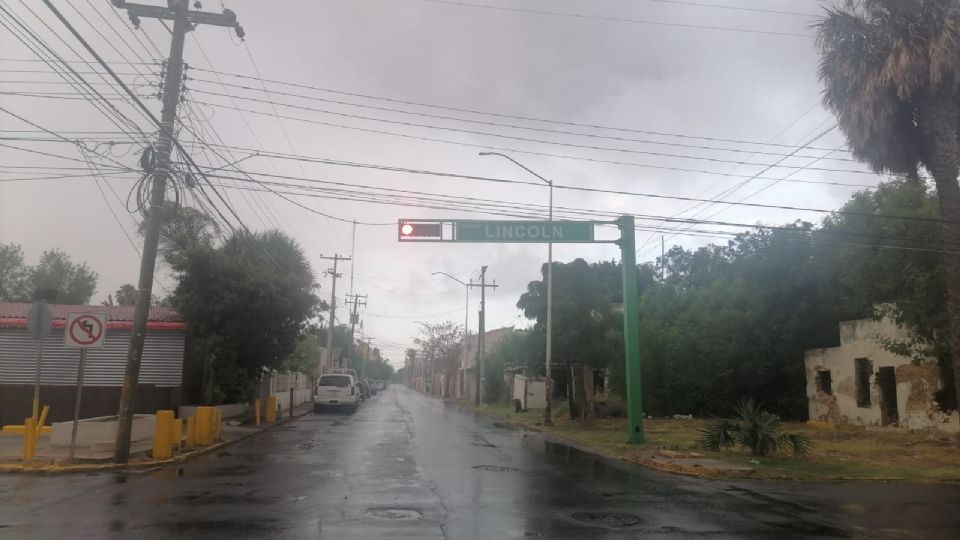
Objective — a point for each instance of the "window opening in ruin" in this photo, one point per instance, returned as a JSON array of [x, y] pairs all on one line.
[[864, 369], [825, 382]]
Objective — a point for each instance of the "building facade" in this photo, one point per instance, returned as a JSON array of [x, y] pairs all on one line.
[[862, 383], [161, 371], [465, 383]]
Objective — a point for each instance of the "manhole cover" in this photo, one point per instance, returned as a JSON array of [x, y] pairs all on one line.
[[393, 513], [494, 468], [608, 519]]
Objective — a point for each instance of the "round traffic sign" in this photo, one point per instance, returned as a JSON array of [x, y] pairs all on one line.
[[85, 330]]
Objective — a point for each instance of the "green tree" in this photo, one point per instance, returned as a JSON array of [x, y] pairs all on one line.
[[583, 316], [440, 345], [74, 283], [126, 295], [516, 349], [14, 274], [378, 367], [182, 230], [905, 284], [306, 355], [246, 303], [891, 75]]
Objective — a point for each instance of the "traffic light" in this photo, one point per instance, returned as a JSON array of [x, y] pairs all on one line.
[[410, 230]]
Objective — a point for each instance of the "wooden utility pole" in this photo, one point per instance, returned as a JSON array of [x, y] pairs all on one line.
[[333, 304], [184, 20], [481, 338], [356, 300]]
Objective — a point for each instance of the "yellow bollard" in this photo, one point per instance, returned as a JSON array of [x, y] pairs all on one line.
[[177, 434], [215, 428], [202, 423], [272, 409], [162, 434], [29, 438], [191, 432], [256, 412]]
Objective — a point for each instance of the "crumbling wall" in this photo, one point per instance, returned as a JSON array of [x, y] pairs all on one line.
[[916, 384]]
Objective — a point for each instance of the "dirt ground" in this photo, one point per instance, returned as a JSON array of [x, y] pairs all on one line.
[[839, 453]]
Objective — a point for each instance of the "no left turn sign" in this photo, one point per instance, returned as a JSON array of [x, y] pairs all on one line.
[[85, 330]]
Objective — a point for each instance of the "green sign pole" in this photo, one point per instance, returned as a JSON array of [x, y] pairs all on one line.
[[631, 329], [556, 232]]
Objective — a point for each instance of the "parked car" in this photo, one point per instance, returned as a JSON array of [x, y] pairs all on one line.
[[372, 387], [364, 390], [336, 390], [381, 385]]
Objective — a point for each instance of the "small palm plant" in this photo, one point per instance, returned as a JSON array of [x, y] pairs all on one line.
[[753, 428]]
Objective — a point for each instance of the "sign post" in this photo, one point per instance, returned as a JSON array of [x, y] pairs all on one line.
[[39, 323], [557, 232], [83, 331]]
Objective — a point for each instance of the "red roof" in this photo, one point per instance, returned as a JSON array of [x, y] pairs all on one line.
[[118, 317]]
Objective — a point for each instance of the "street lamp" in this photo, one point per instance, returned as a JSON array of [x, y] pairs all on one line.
[[466, 313], [547, 420]]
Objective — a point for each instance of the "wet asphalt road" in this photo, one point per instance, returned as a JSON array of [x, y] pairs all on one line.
[[409, 466]]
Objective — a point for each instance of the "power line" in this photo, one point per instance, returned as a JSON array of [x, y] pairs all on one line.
[[618, 19], [457, 109], [479, 122], [569, 187], [732, 169], [683, 232], [523, 139], [736, 8], [48, 56], [464, 203], [535, 153], [733, 189], [156, 122]]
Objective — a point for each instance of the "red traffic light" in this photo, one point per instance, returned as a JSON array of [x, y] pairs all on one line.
[[420, 231]]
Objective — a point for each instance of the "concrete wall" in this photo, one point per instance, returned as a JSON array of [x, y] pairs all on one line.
[[230, 410], [102, 431], [916, 384]]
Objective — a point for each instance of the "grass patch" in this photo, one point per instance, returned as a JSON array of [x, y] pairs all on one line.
[[844, 452]]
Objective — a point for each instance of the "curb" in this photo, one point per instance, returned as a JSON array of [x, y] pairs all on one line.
[[54, 468], [648, 462]]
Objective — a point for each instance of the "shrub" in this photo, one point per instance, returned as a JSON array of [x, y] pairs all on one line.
[[753, 428]]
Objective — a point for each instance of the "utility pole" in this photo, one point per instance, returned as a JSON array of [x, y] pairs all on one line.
[[333, 303], [481, 339], [357, 300], [184, 20], [368, 356], [353, 264], [663, 258]]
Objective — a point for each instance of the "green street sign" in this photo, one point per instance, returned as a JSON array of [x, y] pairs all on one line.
[[541, 232]]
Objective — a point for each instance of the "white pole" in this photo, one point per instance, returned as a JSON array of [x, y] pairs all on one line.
[[547, 420]]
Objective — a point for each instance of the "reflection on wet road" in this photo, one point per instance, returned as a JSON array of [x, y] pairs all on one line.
[[409, 466]]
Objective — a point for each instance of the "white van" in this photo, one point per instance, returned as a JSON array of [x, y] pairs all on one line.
[[336, 390]]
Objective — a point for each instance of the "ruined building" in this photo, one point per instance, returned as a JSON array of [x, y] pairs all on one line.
[[862, 383]]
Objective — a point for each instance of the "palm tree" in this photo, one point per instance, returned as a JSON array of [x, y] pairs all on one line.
[[891, 75]]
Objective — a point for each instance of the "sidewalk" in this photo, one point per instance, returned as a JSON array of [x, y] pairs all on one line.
[[53, 459]]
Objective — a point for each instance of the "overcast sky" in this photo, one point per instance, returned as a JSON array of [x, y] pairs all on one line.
[[749, 77]]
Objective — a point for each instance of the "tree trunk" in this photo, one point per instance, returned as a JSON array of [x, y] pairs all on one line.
[[939, 116]]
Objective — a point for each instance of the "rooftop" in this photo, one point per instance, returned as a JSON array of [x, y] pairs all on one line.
[[12, 310]]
